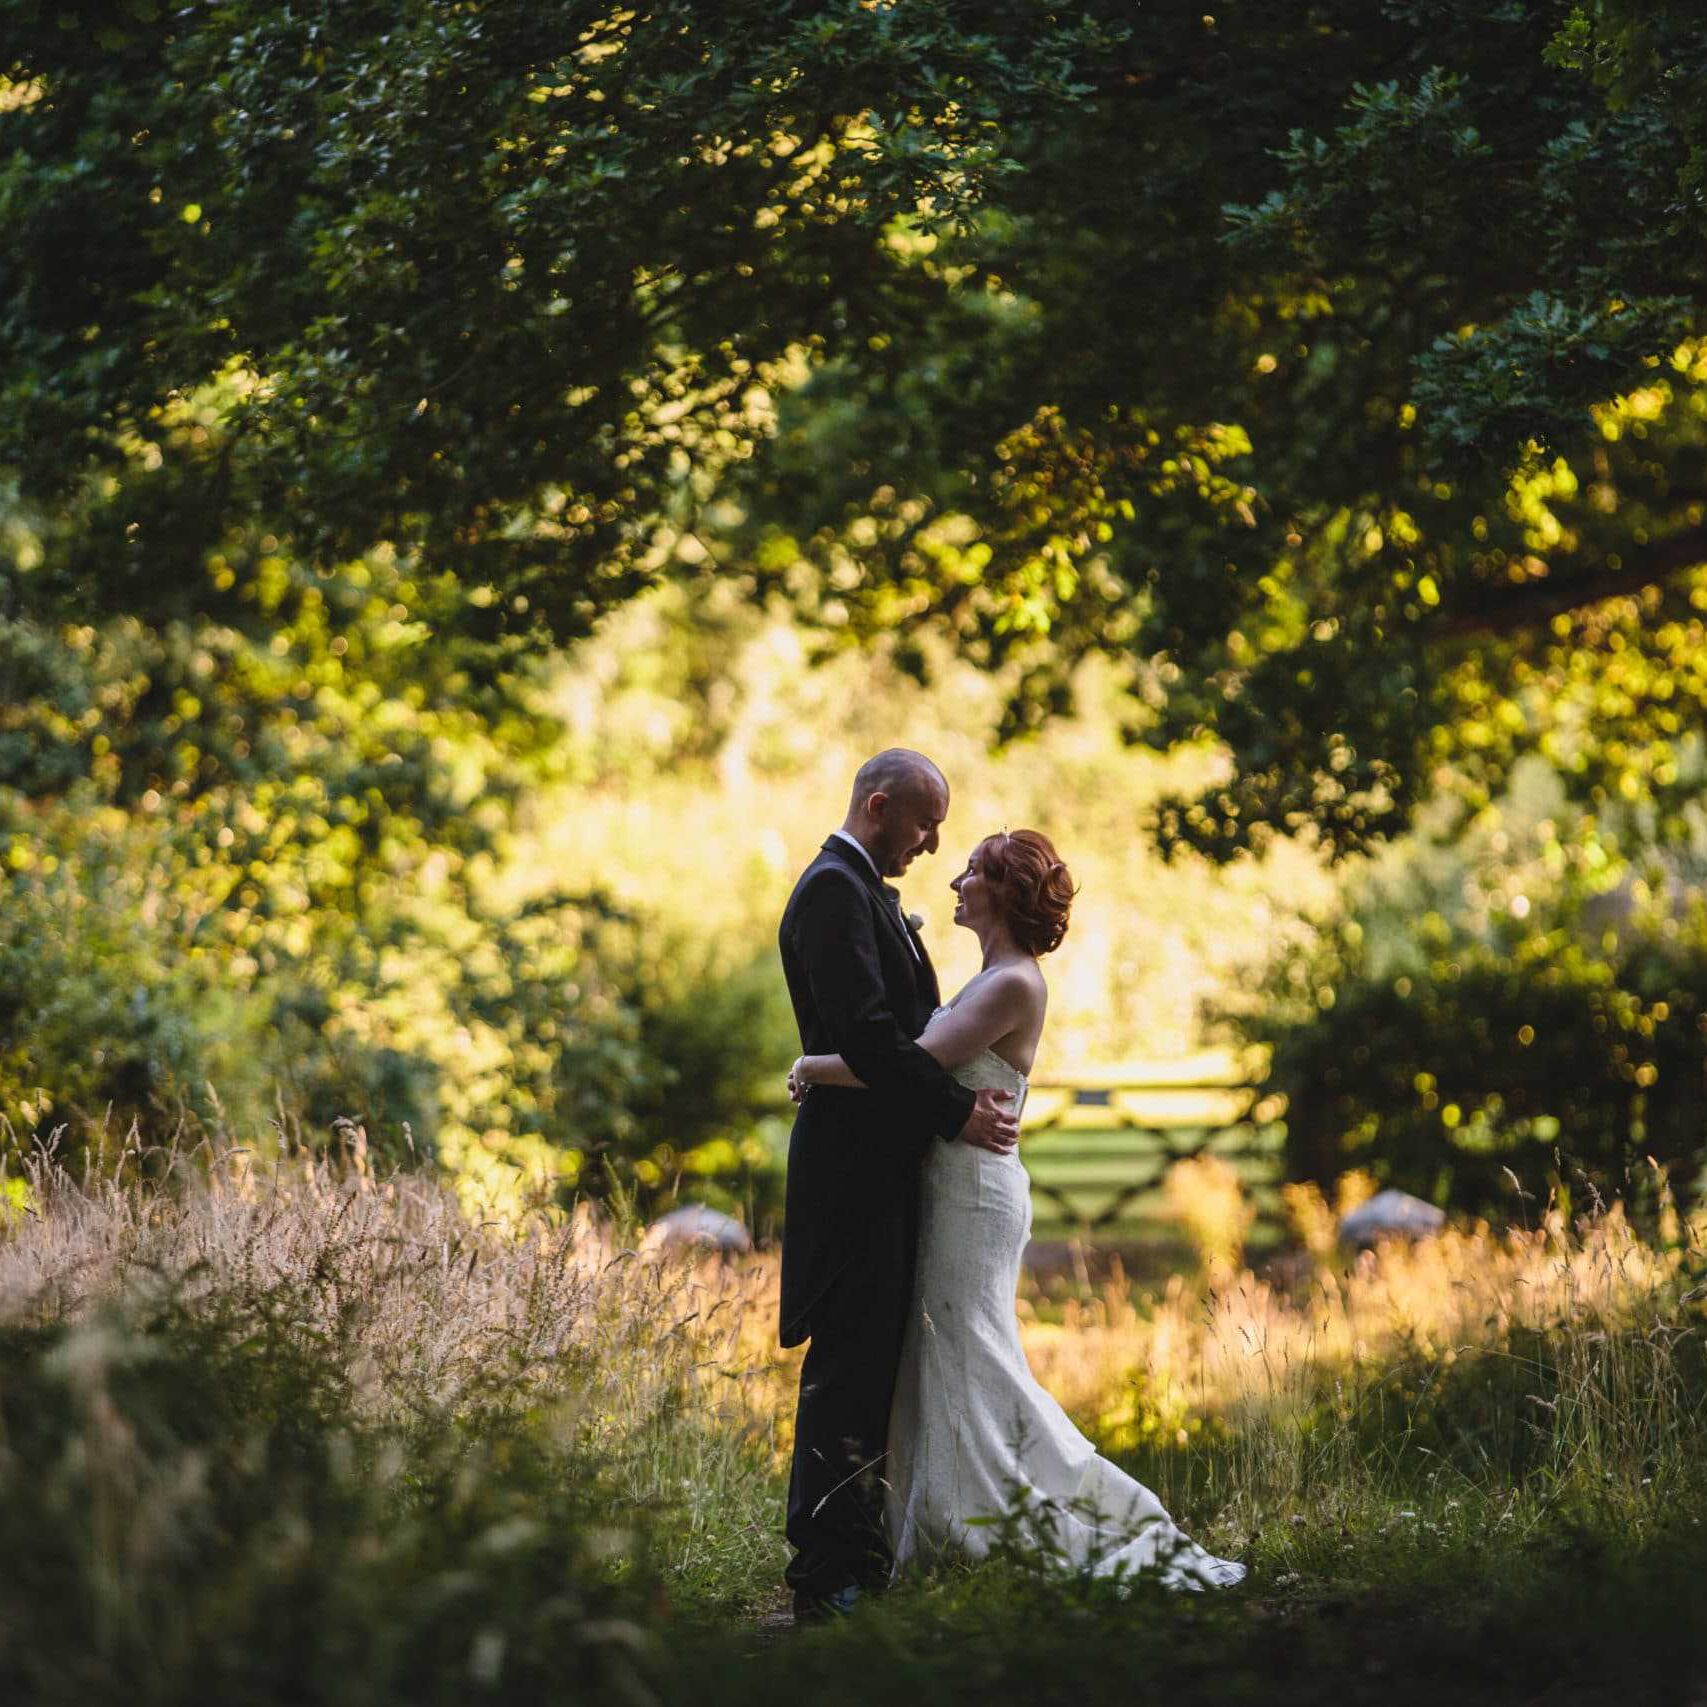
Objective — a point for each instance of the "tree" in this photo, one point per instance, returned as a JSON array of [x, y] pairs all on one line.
[[352, 357], [492, 280], [1337, 367], [1327, 363]]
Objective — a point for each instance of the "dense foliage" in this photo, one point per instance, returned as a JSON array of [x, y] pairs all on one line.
[[247, 880], [1335, 369], [1271, 350], [492, 281], [1337, 373], [266, 901], [1493, 1072], [350, 358]]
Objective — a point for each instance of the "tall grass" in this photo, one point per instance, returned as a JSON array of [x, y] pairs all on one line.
[[284, 1429], [290, 1431], [1494, 1375]]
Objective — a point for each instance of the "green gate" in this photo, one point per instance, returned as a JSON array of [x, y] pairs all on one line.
[[1097, 1143]]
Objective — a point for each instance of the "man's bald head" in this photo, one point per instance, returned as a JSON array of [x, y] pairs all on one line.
[[899, 801], [895, 771]]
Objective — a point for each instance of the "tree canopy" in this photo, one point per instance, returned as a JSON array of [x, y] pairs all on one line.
[[1338, 367], [1339, 371], [490, 280], [1333, 364]]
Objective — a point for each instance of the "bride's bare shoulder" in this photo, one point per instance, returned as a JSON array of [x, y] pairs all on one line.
[[1021, 984]]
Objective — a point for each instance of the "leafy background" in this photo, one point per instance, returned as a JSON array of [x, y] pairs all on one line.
[[473, 482]]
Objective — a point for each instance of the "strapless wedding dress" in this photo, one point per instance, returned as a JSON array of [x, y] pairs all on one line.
[[971, 1434]]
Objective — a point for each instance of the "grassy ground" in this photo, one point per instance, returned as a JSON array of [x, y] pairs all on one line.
[[269, 1435], [1606, 1626]]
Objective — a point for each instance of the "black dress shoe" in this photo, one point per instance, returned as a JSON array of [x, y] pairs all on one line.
[[821, 1608]]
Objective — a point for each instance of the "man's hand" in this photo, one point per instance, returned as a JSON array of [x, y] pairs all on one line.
[[990, 1126]]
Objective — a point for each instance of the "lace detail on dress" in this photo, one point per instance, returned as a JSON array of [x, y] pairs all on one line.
[[987, 1071], [972, 1434]]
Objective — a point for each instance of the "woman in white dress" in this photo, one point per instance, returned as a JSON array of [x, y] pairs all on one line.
[[972, 1436]]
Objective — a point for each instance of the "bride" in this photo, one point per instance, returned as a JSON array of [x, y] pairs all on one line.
[[972, 1436]]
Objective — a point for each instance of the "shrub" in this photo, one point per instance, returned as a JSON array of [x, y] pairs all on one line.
[[552, 1051], [1538, 1060], [193, 1507]]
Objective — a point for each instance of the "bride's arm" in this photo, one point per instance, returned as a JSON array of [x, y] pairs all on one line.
[[1003, 1003], [822, 1070], [981, 1018]]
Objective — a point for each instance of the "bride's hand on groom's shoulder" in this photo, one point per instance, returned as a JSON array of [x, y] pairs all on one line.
[[993, 1125]]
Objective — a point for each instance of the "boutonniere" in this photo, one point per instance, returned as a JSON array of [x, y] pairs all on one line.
[[916, 920]]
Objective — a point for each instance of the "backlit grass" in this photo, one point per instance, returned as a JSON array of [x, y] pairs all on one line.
[[277, 1432]]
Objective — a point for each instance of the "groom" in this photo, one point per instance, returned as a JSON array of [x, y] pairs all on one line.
[[862, 988]]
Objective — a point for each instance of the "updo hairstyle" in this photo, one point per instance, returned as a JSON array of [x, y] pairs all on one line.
[[1030, 885]]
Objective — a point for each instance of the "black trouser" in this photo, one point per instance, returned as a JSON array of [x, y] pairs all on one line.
[[841, 1431]]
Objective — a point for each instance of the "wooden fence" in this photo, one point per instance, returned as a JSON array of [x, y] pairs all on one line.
[[1096, 1143]]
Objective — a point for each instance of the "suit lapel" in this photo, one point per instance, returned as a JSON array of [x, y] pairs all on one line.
[[890, 909], [837, 849], [927, 972]]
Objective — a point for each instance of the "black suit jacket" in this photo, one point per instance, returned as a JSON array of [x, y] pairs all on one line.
[[859, 991]]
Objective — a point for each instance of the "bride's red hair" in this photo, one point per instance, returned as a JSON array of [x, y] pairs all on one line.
[[1032, 887]]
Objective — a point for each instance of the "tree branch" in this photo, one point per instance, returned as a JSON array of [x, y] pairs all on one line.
[[1504, 608]]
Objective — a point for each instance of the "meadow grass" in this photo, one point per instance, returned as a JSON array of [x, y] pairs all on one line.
[[284, 1430]]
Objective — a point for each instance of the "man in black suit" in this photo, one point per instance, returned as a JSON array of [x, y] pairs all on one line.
[[862, 988]]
